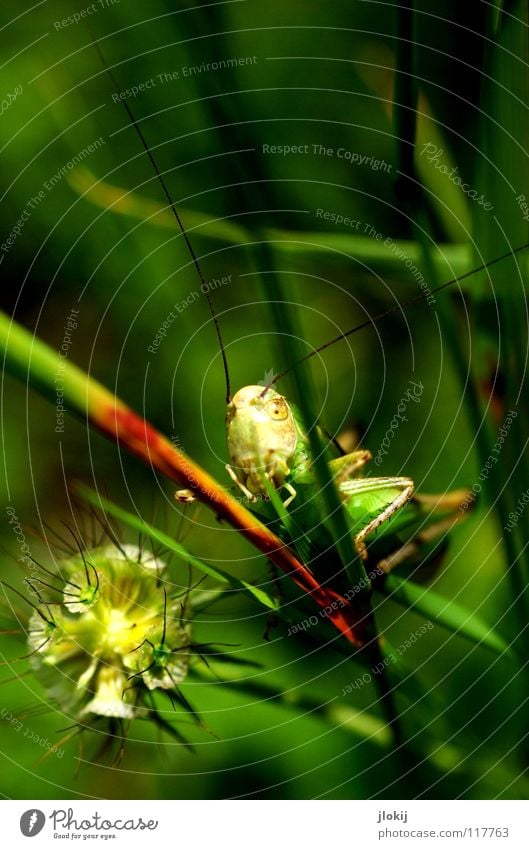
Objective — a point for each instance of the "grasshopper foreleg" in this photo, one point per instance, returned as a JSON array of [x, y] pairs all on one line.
[[249, 495], [348, 465]]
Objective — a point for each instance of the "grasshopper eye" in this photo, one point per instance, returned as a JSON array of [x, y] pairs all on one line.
[[277, 409]]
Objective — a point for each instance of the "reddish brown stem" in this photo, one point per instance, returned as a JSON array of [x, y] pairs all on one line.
[[139, 437]]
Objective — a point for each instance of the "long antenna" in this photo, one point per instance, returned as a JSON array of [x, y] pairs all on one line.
[[204, 287], [371, 321]]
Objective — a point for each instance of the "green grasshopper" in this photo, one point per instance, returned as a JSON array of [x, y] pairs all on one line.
[[268, 446]]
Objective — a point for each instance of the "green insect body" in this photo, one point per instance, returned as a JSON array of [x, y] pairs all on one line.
[[265, 442], [267, 445]]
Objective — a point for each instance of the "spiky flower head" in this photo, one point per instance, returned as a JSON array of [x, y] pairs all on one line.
[[119, 632]]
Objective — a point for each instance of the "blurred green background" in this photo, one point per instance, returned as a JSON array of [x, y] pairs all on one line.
[[313, 74]]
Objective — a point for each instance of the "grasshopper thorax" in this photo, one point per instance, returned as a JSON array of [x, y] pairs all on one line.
[[262, 437]]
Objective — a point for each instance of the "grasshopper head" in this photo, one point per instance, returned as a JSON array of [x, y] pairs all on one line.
[[262, 437]]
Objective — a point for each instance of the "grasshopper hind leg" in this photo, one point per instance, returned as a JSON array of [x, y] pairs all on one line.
[[401, 499], [459, 502], [288, 486], [414, 546]]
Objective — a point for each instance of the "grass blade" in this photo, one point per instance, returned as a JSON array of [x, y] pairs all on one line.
[[447, 613], [170, 544]]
